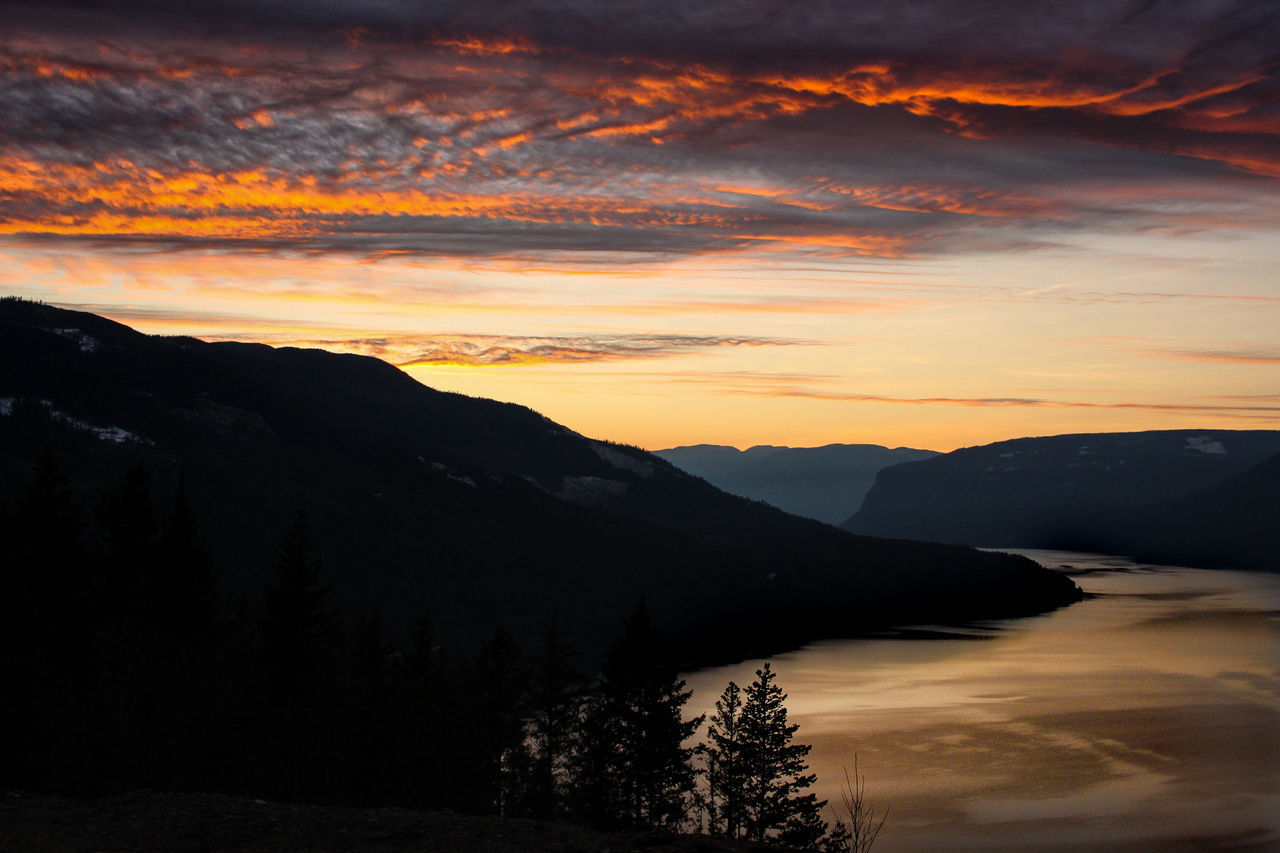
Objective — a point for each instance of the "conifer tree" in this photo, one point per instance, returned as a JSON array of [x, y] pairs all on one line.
[[130, 685], [553, 708], [183, 588], [726, 779], [299, 627], [632, 768], [297, 670], [369, 745], [129, 536], [422, 721], [422, 662], [185, 639], [774, 771], [499, 684], [52, 570], [368, 661], [50, 614]]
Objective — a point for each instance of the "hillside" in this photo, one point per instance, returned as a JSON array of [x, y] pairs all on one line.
[[1232, 523], [1180, 493], [481, 512], [824, 483]]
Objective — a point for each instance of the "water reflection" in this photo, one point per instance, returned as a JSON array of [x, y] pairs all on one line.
[[1146, 717]]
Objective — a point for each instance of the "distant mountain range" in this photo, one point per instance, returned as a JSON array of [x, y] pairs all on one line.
[[825, 483], [481, 512], [1201, 497]]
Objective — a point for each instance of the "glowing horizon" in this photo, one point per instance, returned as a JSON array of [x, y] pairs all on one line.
[[901, 227]]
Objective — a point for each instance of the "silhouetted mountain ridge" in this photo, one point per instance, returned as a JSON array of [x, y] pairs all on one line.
[[822, 483], [481, 511], [1170, 492]]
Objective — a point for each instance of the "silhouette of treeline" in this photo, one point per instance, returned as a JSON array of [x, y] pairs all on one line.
[[123, 668]]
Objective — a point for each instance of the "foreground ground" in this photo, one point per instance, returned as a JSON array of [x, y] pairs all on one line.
[[202, 823]]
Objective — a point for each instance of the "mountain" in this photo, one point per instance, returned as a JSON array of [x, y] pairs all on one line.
[[482, 512], [824, 483], [1136, 492], [1232, 523]]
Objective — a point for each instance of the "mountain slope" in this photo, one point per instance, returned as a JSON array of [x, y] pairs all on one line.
[[482, 512], [1232, 523], [824, 483], [1069, 491]]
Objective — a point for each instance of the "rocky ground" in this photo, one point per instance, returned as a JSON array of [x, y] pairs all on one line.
[[202, 823]]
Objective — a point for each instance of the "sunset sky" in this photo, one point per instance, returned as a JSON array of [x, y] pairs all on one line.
[[732, 221]]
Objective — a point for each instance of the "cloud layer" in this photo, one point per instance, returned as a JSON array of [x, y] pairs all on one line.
[[507, 350], [802, 222], [635, 130]]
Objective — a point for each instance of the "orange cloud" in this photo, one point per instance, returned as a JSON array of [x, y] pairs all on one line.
[[509, 351], [975, 201], [487, 45], [1250, 411], [441, 138]]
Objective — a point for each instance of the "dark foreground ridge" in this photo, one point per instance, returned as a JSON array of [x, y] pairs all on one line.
[[483, 513], [148, 821]]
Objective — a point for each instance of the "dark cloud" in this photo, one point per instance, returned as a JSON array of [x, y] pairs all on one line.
[[635, 129], [800, 32]]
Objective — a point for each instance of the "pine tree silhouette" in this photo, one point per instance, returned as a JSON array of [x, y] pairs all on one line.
[[553, 708], [499, 682], [129, 536], [296, 679], [423, 721], [183, 588], [632, 768], [368, 740], [726, 774], [774, 771], [299, 626], [53, 612], [130, 686], [185, 638], [52, 569]]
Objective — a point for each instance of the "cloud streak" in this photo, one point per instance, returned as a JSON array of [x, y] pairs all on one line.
[[1256, 355], [1256, 410], [510, 351]]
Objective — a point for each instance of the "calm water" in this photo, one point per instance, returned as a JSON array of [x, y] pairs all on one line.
[[1146, 717]]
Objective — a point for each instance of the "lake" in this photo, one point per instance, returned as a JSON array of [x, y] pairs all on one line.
[[1146, 717]]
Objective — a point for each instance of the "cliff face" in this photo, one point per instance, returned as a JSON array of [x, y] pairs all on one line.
[[1131, 492]]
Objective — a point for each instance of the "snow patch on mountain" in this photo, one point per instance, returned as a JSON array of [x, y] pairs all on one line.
[[87, 343], [624, 461], [590, 491], [1205, 444], [113, 434]]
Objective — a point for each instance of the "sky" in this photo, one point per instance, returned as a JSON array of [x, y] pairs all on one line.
[[919, 223]]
